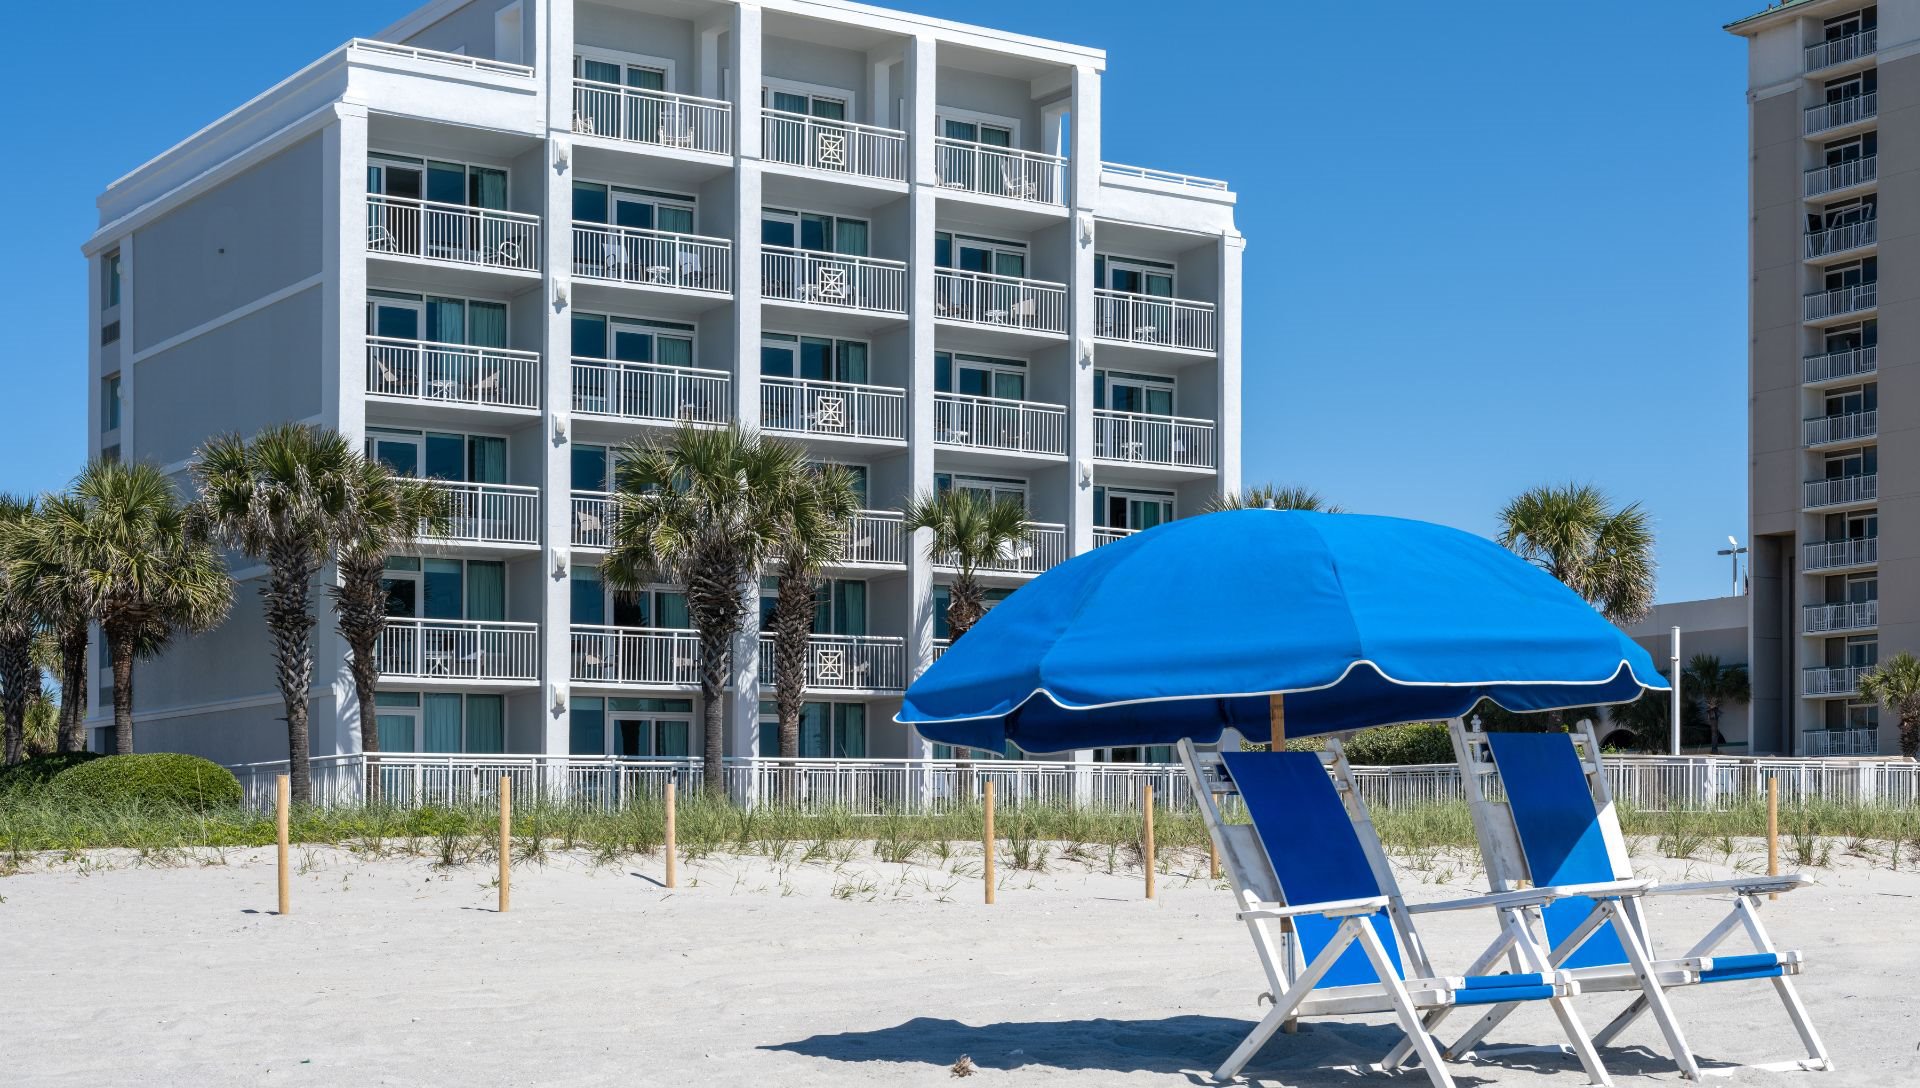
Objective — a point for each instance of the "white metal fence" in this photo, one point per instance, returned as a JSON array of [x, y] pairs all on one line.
[[452, 373], [1842, 175], [833, 409], [876, 537], [1150, 319], [491, 513], [847, 662], [1843, 489], [1044, 547], [460, 650], [609, 387], [1846, 427], [1155, 440], [1846, 236], [1832, 679], [993, 423], [643, 116], [1841, 50], [839, 146], [1840, 364], [833, 279], [454, 233], [652, 258], [1842, 300], [593, 519], [435, 56], [986, 299], [1827, 554], [1000, 171], [1171, 177], [645, 656], [1846, 111], [1103, 534], [1820, 619]]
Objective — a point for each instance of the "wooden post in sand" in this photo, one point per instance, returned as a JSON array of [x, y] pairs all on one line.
[[987, 842], [1213, 859], [673, 868], [282, 794], [506, 840], [1773, 830], [1146, 852]]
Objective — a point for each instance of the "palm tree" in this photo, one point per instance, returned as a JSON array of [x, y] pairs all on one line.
[[819, 508], [1273, 497], [144, 568], [390, 513], [41, 555], [289, 498], [1714, 685], [968, 532], [703, 509], [19, 675], [1895, 684], [1573, 533]]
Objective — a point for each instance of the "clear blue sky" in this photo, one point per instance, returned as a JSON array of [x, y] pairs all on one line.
[[1458, 220]]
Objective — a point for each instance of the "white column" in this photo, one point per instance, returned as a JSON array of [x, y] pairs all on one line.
[[1083, 170], [1227, 372], [343, 384], [743, 713], [556, 392], [921, 63]]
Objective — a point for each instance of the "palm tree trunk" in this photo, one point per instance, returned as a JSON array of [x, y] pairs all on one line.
[[120, 653], [289, 615], [966, 605], [1910, 735], [369, 726], [19, 681], [792, 629], [73, 688], [715, 647]]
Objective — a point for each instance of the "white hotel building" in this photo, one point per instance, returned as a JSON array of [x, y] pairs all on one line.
[[507, 236]]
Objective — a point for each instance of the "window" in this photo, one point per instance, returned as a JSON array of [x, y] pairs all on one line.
[[971, 254], [445, 589], [859, 474], [827, 730], [1850, 149], [1134, 276], [642, 209], [1853, 337], [839, 605], [977, 131], [826, 106], [632, 340], [979, 376], [411, 721], [988, 488], [1854, 525], [1851, 401], [620, 71], [1145, 394], [395, 315], [1861, 462], [1853, 86], [1125, 508], [1846, 26], [110, 280], [1152, 753], [815, 232], [437, 181], [597, 604], [1860, 715], [1858, 651], [110, 404], [630, 728], [943, 599], [814, 358], [1852, 274], [1845, 213], [463, 458]]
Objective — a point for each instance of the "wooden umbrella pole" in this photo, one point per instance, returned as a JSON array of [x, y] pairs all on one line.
[[281, 803]]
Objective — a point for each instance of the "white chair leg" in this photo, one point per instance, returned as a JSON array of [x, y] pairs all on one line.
[[1650, 988], [1582, 1045], [1285, 1003], [1403, 1008]]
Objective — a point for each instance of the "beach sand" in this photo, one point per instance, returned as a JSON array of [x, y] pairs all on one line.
[[119, 970]]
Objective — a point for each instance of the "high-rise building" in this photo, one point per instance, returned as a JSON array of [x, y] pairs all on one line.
[[1828, 286], [506, 237]]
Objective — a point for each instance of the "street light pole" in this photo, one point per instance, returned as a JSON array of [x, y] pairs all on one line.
[[1673, 673], [1734, 549]]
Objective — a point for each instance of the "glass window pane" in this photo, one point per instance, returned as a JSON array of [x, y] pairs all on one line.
[[442, 723], [850, 237], [486, 724], [589, 202], [671, 740], [590, 336], [396, 732], [853, 362], [599, 71], [446, 321], [486, 590], [487, 324], [789, 102], [672, 611], [652, 79], [487, 460], [674, 350], [586, 727], [776, 360], [589, 468], [815, 232], [589, 598], [672, 219], [446, 456], [487, 188], [446, 183], [445, 593]]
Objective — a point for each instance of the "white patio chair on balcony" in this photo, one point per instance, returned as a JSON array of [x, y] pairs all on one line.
[[1015, 183], [389, 381], [583, 124], [507, 253], [676, 129], [586, 523], [614, 261], [380, 239], [689, 271], [486, 389]]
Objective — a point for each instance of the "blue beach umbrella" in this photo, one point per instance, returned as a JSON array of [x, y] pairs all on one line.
[[1357, 621]]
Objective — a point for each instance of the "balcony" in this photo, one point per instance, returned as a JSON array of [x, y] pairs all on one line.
[[634, 656], [833, 409], [421, 371], [876, 538], [1839, 680], [1823, 619], [1103, 534], [1839, 301], [980, 298], [1005, 172], [991, 423], [651, 391], [478, 650], [846, 663], [1831, 115], [833, 280], [1834, 554], [1843, 238], [1826, 430], [652, 258], [592, 519], [1840, 742], [493, 514], [1841, 50], [1835, 365], [452, 233], [1044, 548], [1168, 177], [940, 648], [838, 147], [641, 116], [1141, 439], [1842, 175], [1147, 319], [1843, 490]]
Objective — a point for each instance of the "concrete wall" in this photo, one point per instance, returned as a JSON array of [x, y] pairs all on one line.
[[1717, 626], [469, 29]]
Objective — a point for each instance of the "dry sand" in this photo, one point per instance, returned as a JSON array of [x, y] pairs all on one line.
[[120, 971]]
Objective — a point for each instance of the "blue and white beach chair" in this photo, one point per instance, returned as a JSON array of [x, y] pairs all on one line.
[[1310, 875], [1554, 823]]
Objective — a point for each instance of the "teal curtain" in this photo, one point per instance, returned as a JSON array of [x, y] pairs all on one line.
[[589, 597], [850, 237], [670, 739], [673, 351], [769, 737], [587, 727], [853, 362], [396, 732], [850, 607], [486, 460], [447, 321], [849, 731], [815, 720], [673, 612], [674, 220], [442, 723], [487, 188], [486, 724], [486, 590], [487, 325]]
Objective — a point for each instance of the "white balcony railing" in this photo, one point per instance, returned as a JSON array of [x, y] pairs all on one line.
[[453, 233], [1841, 364], [1044, 548], [846, 663], [991, 423], [652, 258], [1103, 534], [1153, 440], [876, 537], [1820, 619], [420, 370], [833, 279], [1842, 490], [1847, 111], [1841, 239], [491, 513], [1000, 171], [1840, 742], [986, 299], [435, 56], [838, 146], [1169, 176], [592, 518], [652, 117], [1148, 319], [1842, 300], [651, 656], [940, 647], [1841, 50], [460, 650], [1842, 175], [1829, 554], [833, 409], [1840, 680], [672, 394], [1841, 428]]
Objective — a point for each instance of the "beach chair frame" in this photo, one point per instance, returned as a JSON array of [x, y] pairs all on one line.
[[1505, 858]]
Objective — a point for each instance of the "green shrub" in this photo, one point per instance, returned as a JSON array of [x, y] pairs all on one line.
[[151, 778], [1390, 745], [33, 774]]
